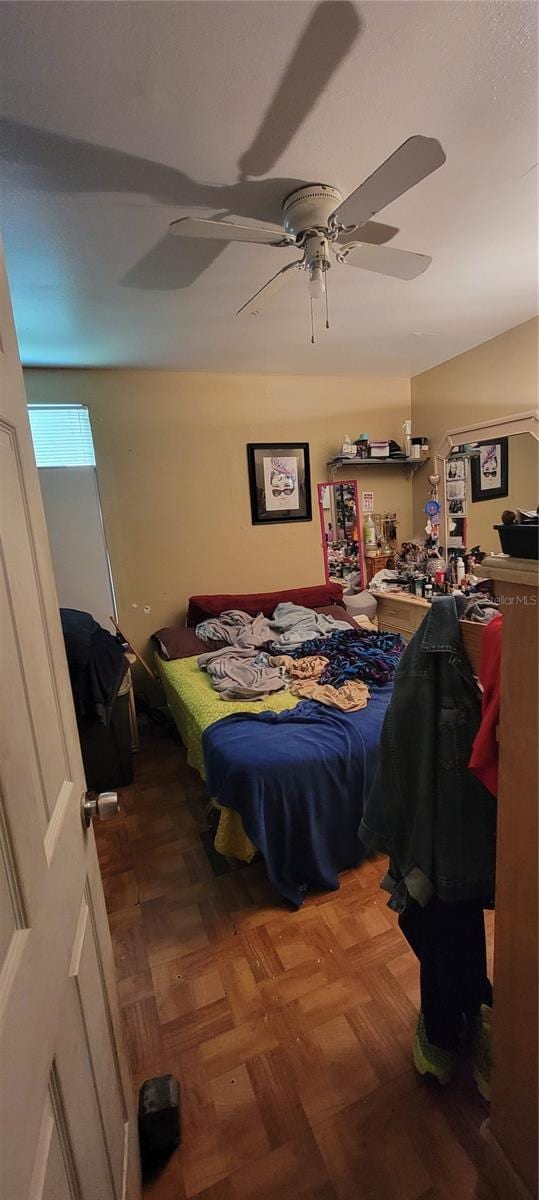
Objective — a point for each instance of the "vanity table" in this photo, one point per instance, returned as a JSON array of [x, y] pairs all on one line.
[[400, 612], [374, 563]]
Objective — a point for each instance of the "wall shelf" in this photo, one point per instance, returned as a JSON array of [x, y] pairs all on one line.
[[341, 460]]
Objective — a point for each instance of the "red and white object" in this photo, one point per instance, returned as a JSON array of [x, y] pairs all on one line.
[[379, 449]]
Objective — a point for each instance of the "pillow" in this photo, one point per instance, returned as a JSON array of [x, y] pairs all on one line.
[[201, 607], [329, 610], [175, 641]]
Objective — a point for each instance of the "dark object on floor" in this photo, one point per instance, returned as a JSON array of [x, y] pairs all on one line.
[[159, 1117], [449, 941], [156, 716], [519, 541]]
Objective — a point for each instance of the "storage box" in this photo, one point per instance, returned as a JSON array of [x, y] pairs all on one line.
[[379, 449], [520, 541]]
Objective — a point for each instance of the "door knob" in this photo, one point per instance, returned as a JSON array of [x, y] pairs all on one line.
[[104, 805]]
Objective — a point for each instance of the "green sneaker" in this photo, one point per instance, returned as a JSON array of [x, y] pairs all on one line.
[[482, 1050], [430, 1059]]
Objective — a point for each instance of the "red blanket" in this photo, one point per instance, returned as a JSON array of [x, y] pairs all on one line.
[[484, 760]]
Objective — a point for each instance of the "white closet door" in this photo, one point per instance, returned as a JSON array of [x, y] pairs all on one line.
[[77, 540]]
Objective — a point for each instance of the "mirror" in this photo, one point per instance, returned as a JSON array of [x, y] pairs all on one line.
[[340, 523], [482, 476]]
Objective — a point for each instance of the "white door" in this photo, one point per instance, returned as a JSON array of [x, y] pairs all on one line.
[[66, 1124]]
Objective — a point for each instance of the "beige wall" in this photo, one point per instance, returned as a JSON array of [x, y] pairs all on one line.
[[523, 474], [492, 380], [172, 471]]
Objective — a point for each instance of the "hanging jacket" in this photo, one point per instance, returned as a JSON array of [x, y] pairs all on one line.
[[97, 664], [426, 810]]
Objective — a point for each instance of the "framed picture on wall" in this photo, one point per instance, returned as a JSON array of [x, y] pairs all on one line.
[[489, 471], [279, 482], [456, 532]]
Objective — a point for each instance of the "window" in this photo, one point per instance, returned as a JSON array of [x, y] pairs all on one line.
[[62, 435]]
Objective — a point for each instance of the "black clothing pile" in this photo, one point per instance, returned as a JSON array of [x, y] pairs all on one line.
[[97, 664]]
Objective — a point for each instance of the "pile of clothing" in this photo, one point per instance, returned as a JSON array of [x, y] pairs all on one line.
[[316, 656], [97, 664], [355, 654], [305, 680]]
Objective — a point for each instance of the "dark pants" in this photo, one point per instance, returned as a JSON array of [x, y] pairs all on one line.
[[449, 941]]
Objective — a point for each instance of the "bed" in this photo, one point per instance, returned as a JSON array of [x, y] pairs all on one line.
[[289, 775]]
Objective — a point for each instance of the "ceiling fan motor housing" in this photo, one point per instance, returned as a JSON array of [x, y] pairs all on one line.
[[317, 251], [310, 208]]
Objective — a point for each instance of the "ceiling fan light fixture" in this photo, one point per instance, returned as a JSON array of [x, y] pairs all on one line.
[[316, 285]]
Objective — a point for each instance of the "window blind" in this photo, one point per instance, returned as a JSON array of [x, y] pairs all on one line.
[[62, 435]]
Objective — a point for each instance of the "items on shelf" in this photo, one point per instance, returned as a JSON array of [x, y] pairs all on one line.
[[407, 431], [348, 449], [382, 451], [379, 449]]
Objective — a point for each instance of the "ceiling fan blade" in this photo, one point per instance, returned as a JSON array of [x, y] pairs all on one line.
[[260, 298], [413, 161], [373, 232], [324, 43], [386, 260], [225, 231]]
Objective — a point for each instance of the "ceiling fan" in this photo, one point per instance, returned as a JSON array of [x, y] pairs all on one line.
[[317, 220]]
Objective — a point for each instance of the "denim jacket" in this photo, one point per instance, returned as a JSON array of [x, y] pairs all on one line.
[[426, 810]]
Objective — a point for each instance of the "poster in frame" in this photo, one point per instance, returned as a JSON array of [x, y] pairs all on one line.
[[279, 482], [490, 471]]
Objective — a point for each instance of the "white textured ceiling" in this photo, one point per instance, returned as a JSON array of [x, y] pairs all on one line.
[[125, 116]]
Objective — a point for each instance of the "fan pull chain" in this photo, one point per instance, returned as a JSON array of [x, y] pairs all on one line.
[[312, 322], [327, 305]]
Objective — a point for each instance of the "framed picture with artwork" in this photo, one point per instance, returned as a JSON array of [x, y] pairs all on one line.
[[489, 471], [279, 482]]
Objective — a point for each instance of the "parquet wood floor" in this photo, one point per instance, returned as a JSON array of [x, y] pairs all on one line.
[[290, 1033]]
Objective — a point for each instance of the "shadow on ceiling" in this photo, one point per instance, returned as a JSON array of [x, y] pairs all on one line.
[[72, 165]]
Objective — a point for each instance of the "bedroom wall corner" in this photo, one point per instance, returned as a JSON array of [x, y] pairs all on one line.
[[493, 380], [172, 468]]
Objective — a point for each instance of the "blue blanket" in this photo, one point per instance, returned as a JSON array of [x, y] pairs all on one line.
[[299, 779]]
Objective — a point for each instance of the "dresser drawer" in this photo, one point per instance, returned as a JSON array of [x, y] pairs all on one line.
[[388, 627], [400, 614]]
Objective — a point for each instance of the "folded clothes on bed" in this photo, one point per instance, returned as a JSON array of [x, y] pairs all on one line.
[[242, 673], [301, 668], [295, 625], [304, 681], [350, 697], [290, 625], [236, 629], [355, 654]]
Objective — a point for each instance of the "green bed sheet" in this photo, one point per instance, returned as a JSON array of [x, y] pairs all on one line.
[[194, 704]]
